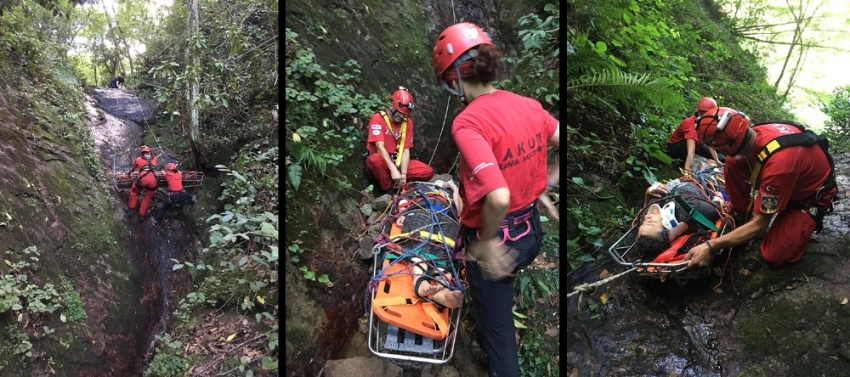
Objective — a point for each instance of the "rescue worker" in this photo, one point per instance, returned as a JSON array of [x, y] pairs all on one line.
[[146, 165], [118, 80], [176, 192], [502, 138], [388, 144], [795, 186], [684, 141]]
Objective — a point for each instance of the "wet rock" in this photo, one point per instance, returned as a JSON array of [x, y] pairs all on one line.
[[845, 350], [441, 177], [372, 218], [448, 371], [124, 104], [366, 210], [361, 366], [381, 203], [366, 245]]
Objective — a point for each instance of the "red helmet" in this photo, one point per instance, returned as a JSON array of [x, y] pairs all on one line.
[[171, 166], [706, 104], [145, 148], [724, 129], [453, 43], [402, 100]]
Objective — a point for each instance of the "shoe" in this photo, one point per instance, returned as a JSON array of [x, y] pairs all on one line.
[[141, 218], [129, 211], [193, 199], [154, 221]]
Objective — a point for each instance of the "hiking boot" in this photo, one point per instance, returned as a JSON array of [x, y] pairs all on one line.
[[129, 211], [141, 218], [193, 199]]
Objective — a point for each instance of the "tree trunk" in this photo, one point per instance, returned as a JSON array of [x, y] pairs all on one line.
[[194, 130], [115, 43]]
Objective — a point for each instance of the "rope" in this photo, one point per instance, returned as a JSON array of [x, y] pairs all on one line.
[[583, 288], [446, 116]]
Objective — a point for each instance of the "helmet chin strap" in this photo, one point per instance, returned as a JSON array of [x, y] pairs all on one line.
[[451, 91]]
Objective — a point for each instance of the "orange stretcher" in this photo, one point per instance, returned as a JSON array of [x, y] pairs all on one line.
[[396, 303], [403, 326], [190, 179]]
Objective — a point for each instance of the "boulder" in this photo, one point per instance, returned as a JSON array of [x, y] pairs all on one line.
[[361, 366], [380, 203], [124, 104], [366, 210]]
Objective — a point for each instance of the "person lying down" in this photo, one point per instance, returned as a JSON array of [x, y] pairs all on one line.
[[435, 285], [665, 220]]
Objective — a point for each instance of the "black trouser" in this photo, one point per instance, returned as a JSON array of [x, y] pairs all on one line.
[[180, 196], [680, 150], [493, 300]]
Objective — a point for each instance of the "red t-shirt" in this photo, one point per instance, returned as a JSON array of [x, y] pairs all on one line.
[[686, 130], [142, 164], [790, 175], [380, 131], [174, 179], [502, 138]]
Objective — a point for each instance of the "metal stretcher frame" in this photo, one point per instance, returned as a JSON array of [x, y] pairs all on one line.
[[679, 271], [190, 179], [384, 338]]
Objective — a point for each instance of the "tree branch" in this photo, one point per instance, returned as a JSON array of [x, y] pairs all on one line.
[[810, 45]]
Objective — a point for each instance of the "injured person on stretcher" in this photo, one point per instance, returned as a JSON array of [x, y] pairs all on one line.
[[430, 284], [681, 207]]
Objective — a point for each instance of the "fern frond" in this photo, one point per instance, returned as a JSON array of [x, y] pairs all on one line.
[[622, 84]]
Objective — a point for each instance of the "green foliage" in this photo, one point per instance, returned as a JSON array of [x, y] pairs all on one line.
[[623, 85], [320, 142], [238, 69], [168, 361], [837, 127], [537, 65], [15, 290], [34, 37], [75, 309]]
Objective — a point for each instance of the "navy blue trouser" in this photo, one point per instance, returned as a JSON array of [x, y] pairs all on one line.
[[173, 199], [493, 300]]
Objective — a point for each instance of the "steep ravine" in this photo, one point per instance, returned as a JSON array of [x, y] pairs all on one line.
[[151, 247]]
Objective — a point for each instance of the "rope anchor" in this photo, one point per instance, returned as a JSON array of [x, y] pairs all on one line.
[[589, 287]]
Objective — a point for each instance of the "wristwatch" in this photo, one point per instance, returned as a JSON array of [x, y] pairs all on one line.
[[711, 249]]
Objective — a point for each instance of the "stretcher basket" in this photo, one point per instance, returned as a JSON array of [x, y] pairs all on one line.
[[190, 179], [392, 342], [621, 252], [430, 343]]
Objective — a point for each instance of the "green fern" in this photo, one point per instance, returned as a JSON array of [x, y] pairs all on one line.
[[623, 85]]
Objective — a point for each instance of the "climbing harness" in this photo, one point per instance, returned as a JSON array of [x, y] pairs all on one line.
[[125, 181], [417, 246], [805, 137], [400, 147]]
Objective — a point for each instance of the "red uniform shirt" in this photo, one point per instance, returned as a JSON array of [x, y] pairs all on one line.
[[686, 130], [790, 175], [502, 138], [142, 164], [174, 179], [380, 131]]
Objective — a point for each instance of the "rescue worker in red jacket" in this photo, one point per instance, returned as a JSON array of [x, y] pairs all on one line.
[[389, 142], [684, 141], [502, 138], [176, 192], [792, 185], [146, 165]]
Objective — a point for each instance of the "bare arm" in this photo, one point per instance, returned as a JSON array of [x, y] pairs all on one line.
[[493, 212], [405, 161], [689, 160], [700, 255], [714, 155]]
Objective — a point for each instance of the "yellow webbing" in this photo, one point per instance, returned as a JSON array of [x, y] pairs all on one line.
[[434, 237], [393, 301], [771, 147], [400, 148]]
